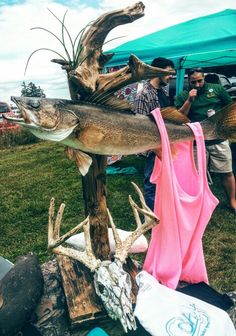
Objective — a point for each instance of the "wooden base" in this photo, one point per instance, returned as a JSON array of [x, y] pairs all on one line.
[[84, 306]]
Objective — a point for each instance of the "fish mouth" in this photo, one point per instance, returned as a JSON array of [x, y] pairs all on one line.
[[15, 119], [23, 118], [29, 120]]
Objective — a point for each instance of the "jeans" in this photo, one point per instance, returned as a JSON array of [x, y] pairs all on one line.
[[149, 188]]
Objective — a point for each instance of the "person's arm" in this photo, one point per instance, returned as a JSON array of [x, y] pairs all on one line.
[[184, 105]]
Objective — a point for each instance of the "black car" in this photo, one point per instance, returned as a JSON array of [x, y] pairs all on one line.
[[225, 82], [4, 108]]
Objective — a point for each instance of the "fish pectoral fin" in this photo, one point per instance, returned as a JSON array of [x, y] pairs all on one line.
[[83, 160], [69, 152]]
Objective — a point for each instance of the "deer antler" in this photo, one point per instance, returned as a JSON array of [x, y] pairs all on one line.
[[151, 220], [86, 257]]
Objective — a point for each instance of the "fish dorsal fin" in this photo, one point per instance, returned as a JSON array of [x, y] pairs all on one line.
[[83, 160], [168, 113], [121, 105], [111, 101], [173, 115]]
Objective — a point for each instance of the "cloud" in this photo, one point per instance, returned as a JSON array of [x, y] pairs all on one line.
[[18, 41]]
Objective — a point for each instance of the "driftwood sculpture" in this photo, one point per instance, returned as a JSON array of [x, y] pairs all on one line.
[[87, 83], [112, 283], [86, 80]]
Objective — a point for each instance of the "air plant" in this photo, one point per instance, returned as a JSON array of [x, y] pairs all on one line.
[[69, 62]]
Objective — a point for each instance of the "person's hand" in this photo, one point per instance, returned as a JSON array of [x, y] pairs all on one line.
[[191, 95]]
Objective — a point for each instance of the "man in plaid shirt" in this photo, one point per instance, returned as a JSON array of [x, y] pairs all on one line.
[[153, 95]]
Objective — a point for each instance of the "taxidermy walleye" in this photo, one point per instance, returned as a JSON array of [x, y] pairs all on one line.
[[102, 130]]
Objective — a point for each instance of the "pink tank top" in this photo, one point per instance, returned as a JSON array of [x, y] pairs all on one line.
[[184, 204]]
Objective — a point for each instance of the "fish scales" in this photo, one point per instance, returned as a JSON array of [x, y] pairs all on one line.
[[98, 129]]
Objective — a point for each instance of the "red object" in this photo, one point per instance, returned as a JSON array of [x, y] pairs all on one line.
[[6, 110]]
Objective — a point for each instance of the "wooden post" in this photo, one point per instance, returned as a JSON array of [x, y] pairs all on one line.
[[83, 81]]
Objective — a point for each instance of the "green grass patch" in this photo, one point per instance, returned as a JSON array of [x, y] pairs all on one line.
[[31, 174]]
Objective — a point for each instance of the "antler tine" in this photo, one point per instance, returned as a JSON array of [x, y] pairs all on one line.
[[50, 221], [56, 231], [54, 240], [145, 210], [151, 220], [117, 239], [141, 197], [88, 245]]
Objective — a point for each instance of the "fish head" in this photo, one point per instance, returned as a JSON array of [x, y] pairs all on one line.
[[45, 113], [46, 118]]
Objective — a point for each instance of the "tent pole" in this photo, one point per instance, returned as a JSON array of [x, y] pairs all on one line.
[[180, 72]]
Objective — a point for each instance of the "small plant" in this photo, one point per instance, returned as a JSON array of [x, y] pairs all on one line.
[[31, 90], [71, 60], [14, 136], [74, 58]]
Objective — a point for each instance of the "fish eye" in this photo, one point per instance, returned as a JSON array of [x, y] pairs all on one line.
[[34, 103]]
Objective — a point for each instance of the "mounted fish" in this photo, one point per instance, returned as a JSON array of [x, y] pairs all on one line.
[[83, 61], [101, 130]]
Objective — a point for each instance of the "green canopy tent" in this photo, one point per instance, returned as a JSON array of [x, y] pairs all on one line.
[[206, 41]]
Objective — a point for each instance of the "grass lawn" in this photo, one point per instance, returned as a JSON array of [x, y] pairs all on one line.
[[31, 174]]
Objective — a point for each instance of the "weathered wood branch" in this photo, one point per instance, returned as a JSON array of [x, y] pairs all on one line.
[[85, 77], [93, 39], [136, 70]]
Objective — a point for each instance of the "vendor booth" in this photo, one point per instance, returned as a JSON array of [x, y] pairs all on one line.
[[202, 42]]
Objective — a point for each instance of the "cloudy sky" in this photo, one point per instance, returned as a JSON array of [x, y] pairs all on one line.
[[18, 40]]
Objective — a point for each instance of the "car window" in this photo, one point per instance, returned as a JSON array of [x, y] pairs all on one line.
[[4, 108], [224, 81]]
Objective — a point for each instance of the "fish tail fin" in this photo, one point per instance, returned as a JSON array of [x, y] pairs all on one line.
[[83, 160], [225, 122]]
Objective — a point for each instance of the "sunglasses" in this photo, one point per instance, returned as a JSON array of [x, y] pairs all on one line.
[[193, 82], [191, 71]]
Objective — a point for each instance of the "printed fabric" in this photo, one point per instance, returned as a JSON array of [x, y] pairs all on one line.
[[184, 204], [165, 312]]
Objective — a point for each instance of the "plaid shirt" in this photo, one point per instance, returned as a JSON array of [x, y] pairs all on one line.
[[147, 99]]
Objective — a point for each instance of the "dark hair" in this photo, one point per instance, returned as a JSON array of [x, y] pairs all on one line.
[[192, 70], [161, 62], [212, 78]]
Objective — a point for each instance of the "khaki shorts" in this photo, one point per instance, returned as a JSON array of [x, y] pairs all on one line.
[[219, 158]]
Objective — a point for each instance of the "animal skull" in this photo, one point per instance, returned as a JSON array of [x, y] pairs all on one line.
[[112, 284]]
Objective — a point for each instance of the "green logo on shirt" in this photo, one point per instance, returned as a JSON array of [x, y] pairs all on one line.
[[210, 93]]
